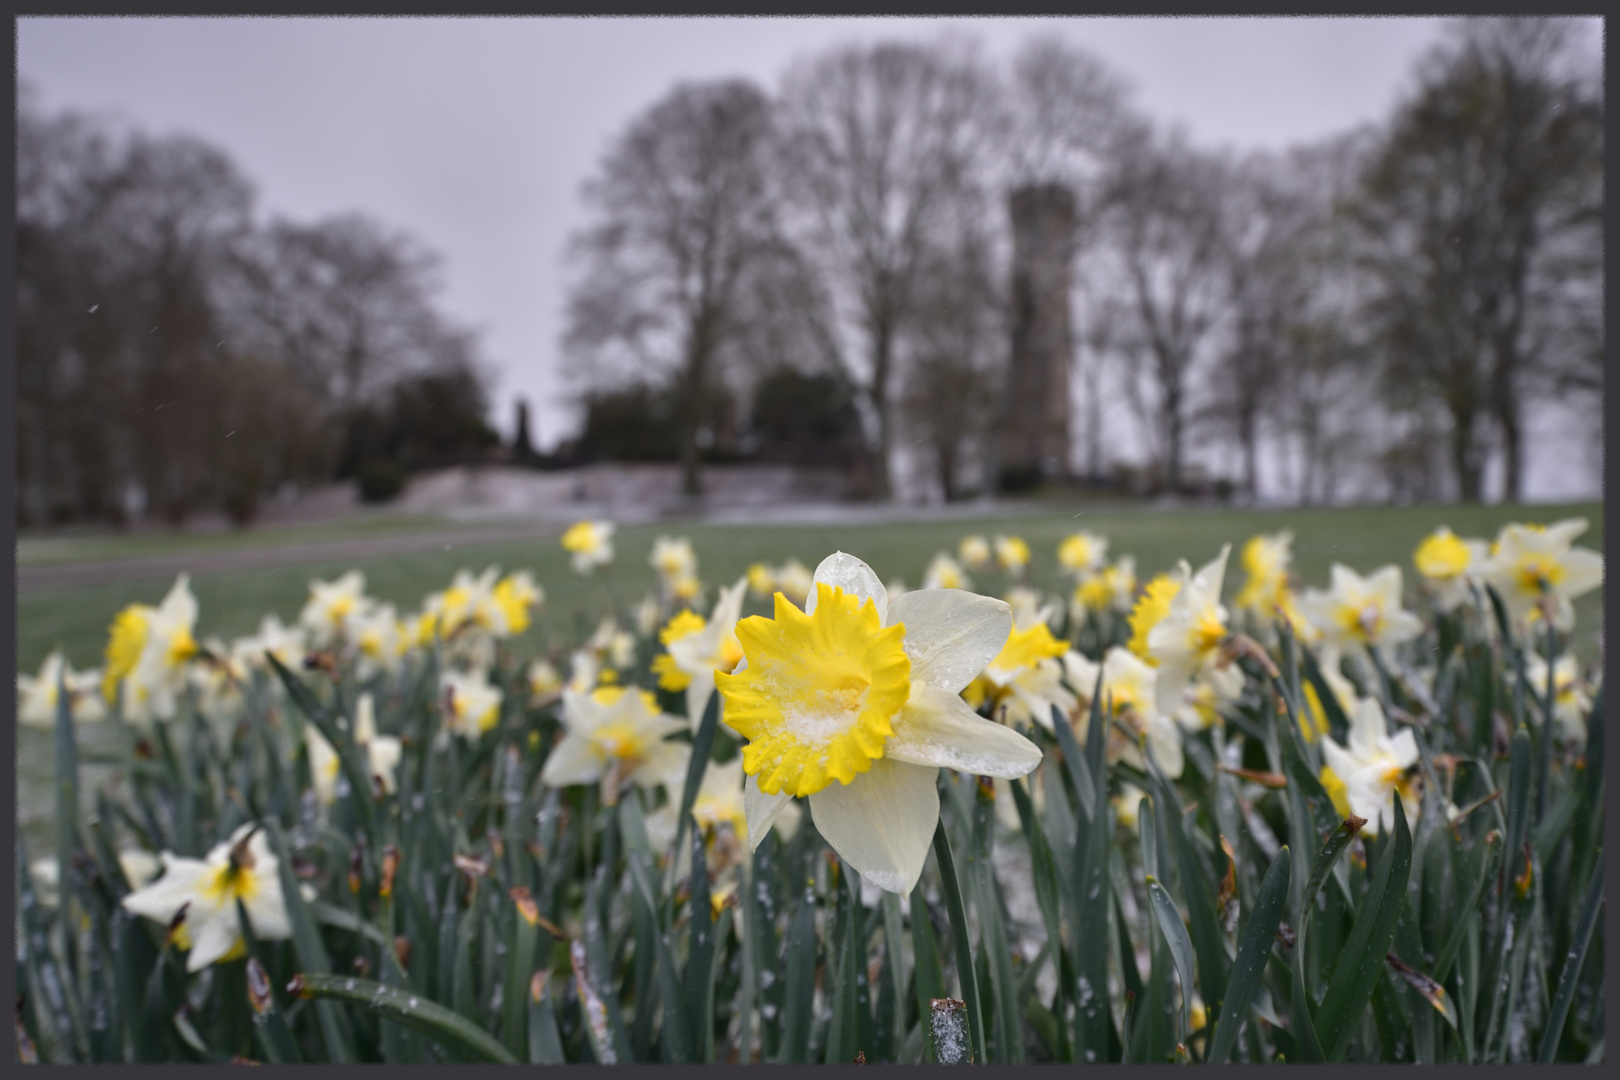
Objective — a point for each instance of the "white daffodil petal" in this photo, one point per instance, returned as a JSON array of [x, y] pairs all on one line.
[[951, 635], [761, 810], [853, 576], [937, 728], [883, 823], [267, 910], [212, 938], [160, 900], [573, 761], [1583, 572]]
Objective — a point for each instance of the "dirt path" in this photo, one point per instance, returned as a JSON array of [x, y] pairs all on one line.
[[38, 579]]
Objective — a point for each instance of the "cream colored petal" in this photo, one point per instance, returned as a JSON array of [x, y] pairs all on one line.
[[211, 938], [1337, 758], [267, 910], [1403, 749], [160, 900], [1583, 572], [761, 810], [1563, 533], [1164, 743], [883, 823], [572, 761], [698, 693], [1386, 584], [937, 728], [854, 577], [1400, 625], [384, 752], [664, 764], [1367, 726], [950, 635], [1173, 675]]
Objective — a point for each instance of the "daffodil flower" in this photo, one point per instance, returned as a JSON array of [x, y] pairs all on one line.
[[1130, 687], [1265, 559], [378, 643], [1532, 566], [545, 682], [330, 605], [945, 573], [1203, 697], [1025, 679], [148, 650], [712, 648], [382, 752], [673, 559], [1357, 613], [285, 643], [974, 551], [794, 581], [37, 694], [1364, 778], [1448, 563], [474, 705], [1082, 552], [1110, 589], [853, 703], [1314, 721], [1151, 608], [1189, 637], [590, 543], [1012, 553], [761, 580], [1570, 701], [242, 868], [617, 735]]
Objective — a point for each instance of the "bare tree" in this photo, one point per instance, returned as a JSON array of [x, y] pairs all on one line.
[[685, 215], [346, 303], [1481, 217], [1170, 227], [883, 145]]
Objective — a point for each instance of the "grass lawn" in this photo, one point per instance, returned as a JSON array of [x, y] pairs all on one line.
[[232, 603]]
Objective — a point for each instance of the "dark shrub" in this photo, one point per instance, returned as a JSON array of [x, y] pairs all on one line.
[[380, 480]]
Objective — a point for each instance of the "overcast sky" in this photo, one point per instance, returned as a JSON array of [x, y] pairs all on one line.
[[476, 134]]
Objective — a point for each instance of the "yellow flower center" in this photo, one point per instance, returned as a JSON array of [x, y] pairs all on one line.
[[514, 605], [340, 607], [1337, 790], [1207, 633], [125, 644], [371, 643], [620, 739], [669, 676], [760, 578], [1314, 722], [226, 884], [182, 647], [1362, 621], [1075, 552], [1026, 648], [1096, 593], [1441, 556], [818, 697], [684, 624], [1149, 610], [581, 536], [1538, 575]]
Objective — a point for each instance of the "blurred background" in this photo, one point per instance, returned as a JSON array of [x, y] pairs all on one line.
[[276, 270]]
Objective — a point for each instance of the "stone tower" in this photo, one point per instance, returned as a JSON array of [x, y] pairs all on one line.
[[1035, 425]]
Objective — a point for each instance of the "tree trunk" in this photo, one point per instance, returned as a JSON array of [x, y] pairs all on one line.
[[945, 460], [1464, 458], [882, 488], [1172, 442], [1249, 436]]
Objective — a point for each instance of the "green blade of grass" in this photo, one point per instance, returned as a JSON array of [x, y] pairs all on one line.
[[930, 981], [1181, 950], [956, 911], [1361, 961], [801, 975], [702, 747], [402, 1007], [545, 1041], [1253, 950], [339, 735], [1570, 976], [307, 946], [1214, 965]]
